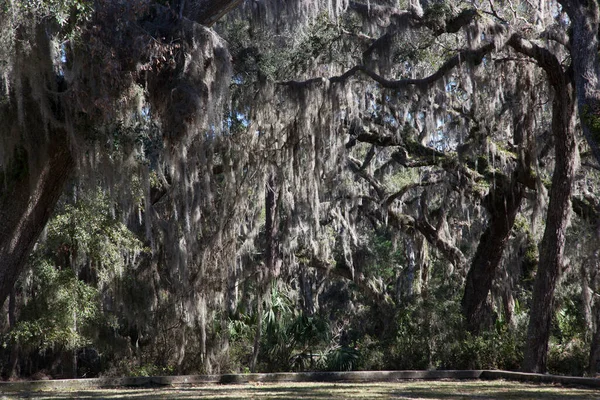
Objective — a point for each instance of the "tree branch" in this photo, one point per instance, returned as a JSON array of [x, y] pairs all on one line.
[[397, 195], [544, 58], [343, 271], [356, 168], [467, 56]]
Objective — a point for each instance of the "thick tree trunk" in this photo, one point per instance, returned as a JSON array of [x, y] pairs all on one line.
[[503, 203], [552, 246], [14, 353], [27, 200], [595, 345], [206, 12], [32, 179], [585, 21]]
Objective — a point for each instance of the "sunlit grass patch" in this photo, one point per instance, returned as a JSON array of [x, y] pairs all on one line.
[[427, 390]]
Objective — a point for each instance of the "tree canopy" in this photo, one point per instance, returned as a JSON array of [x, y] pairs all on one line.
[[231, 176]]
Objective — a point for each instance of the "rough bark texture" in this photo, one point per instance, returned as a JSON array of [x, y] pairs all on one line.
[[595, 345], [37, 167], [27, 205], [272, 265], [503, 203], [552, 246], [557, 218], [585, 20], [14, 353]]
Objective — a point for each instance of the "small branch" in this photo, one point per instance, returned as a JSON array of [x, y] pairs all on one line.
[[590, 165], [355, 167], [391, 198], [494, 13], [556, 35], [368, 158]]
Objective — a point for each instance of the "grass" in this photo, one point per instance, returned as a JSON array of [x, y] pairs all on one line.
[[413, 390]]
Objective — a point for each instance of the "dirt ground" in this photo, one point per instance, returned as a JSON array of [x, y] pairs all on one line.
[[413, 390]]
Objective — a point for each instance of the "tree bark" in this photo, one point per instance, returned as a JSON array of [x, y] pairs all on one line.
[[552, 246], [585, 21], [553, 241], [27, 202], [595, 345], [503, 203], [271, 231], [306, 291], [14, 352], [34, 177], [257, 333]]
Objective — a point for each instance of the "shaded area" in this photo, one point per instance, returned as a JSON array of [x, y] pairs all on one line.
[[401, 390]]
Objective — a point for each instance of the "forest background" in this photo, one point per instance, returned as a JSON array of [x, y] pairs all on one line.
[[223, 186]]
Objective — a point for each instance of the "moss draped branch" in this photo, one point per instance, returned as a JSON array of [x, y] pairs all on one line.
[[467, 56]]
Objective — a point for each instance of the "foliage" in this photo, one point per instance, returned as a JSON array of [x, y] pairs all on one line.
[[86, 234], [70, 12], [364, 152], [62, 313], [85, 249]]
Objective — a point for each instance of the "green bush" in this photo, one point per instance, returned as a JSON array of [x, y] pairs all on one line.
[[568, 358]]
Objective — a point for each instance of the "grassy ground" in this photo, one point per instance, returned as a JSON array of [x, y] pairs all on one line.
[[404, 390]]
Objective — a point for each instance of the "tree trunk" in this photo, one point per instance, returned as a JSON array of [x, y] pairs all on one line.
[[257, 334], [306, 291], [595, 345], [407, 281], [271, 230], [26, 204], [14, 352], [271, 266], [33, 178], [553, 241], [503, 203], [585, 21], [552, 246]]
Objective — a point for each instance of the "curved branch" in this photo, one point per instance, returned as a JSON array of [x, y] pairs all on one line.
[[207, 12], [342, 270], [467, 56], [431, 234], [356, 168], [394, 196], [409, 224], [544, 58]]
